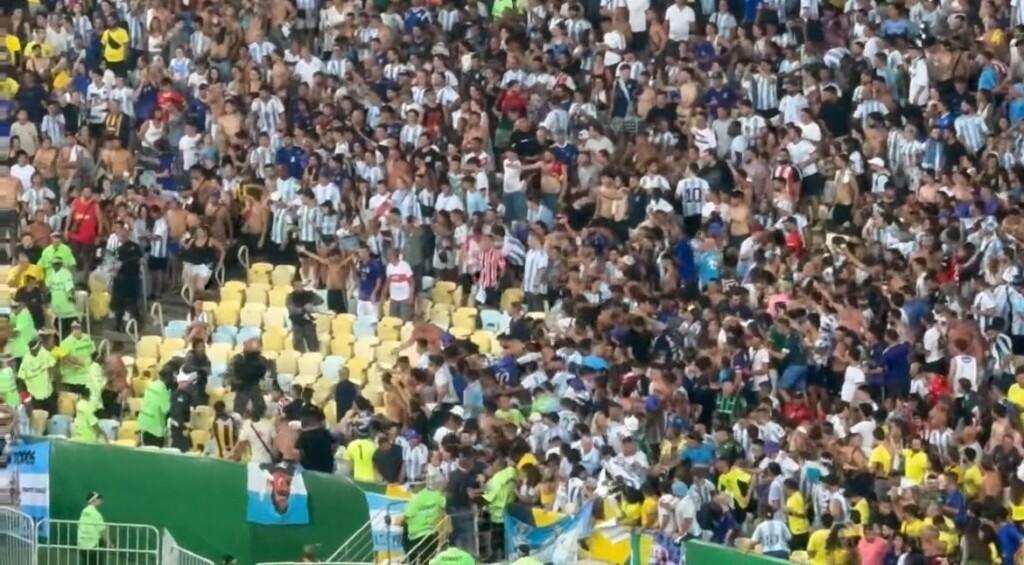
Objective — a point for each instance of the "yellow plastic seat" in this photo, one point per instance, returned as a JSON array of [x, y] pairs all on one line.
[[127, 442], [387, 354], [216, 394], [235, 285], [357, 369], [460, 333], [256, 294], [134, 405], [218, 352], [251, 316], [5, 296], [171, 346], [342, 345], [440, 314], [389, 328], [275, 317], [128, 430], [202, 418], [483, 340], [406, 332], [364, 348], [139, 386], [309, 364], [259, 273], [274, 339], [443, 292], [277, 297], [510, 296], [227, 313], [232, 295], [66, 403], [342, 324], [288, 362], [148, 346], [39, 420], [331, 412], [464, 318], [282, 275], [323, 390], [323, 323], [200, 440]]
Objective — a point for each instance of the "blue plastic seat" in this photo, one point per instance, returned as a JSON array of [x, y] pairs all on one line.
[[176, 329]]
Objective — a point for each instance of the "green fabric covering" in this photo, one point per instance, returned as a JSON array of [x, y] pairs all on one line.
[[201, 501]]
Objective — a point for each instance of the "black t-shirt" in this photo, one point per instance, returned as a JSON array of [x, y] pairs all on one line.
[[315, 447], [388, 463], [836, 117], [459, 483]]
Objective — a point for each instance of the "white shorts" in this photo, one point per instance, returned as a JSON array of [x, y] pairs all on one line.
[[190, 271], [366, 309]]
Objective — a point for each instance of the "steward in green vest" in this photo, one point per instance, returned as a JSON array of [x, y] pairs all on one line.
[[78, 349]]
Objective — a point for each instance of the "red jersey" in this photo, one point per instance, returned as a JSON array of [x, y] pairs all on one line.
[[85, 223]]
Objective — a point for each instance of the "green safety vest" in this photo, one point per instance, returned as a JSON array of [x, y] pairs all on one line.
[[35, 371], [156, 404], [80, 349], [90, 528], [9, 388], [24, 332], [51, 253], [61, 285], [84, 429]]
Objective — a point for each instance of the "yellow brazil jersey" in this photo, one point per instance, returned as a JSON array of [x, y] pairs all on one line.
[[950, 540], [61, 80], [45, 48], [1016, 395], [972, 481], [796, 513], [115, 44], [9, 88], [13, 44], [912, 527], [816, 547], [880, 461], [915, 465], [864, 509], [1016, 510], [731, 482], [18, 276]]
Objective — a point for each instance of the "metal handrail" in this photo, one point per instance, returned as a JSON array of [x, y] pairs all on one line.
[[218, 275], [187, 293], [156, 311], [103, 348], [363, 533], [131, 327], [243, 258]]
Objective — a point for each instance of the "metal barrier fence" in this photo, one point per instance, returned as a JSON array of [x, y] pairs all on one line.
[[121, 544], [174, 554], [17, 537]]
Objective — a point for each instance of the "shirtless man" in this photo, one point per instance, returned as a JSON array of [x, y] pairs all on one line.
[[119, 163], [254, 225], [177, 225], [739, 219], [229, 124]]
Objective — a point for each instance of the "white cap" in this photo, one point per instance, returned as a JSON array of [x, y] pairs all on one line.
[[632, 423], [458, 411], [876, 161]]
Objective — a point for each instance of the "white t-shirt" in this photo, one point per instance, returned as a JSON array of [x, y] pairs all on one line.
[[866, 429], [252, 433], [933, 345], [637, 14], [964, 367], [686, 509], [512, 181], [308, 69], [24, 174], [852, 378], [680, 21], [189, 150], [399, 280], [800, 152]]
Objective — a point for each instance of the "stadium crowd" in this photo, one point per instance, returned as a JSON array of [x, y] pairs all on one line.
[[759, 261]]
